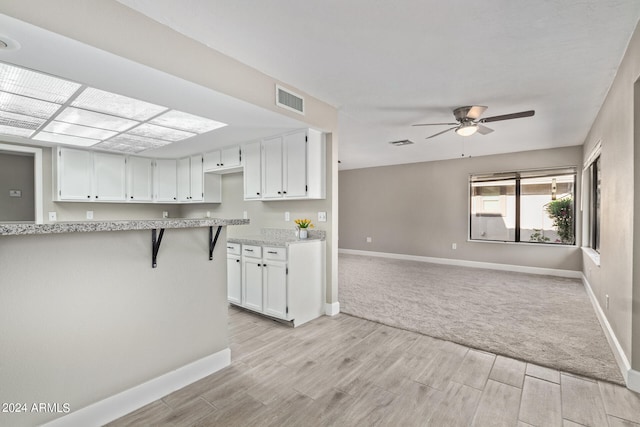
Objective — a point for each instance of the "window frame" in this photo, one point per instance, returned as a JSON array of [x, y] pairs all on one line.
[[517, 176]]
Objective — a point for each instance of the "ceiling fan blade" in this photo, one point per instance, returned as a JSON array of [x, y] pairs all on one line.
[[440, 133], [435, 124], [476, 111], [483, 130], [507, 116]]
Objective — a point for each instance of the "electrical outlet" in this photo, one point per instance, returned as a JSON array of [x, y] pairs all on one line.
[[368, 239], [208, 214], [245, 215], [53, 216], [89, 214], [287, 216], [322, 217], [165, 214], [454, 246]]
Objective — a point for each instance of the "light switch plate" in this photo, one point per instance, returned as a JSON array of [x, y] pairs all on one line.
[[165, 214], [287, 216], [89, 214], [322, 217], [15, 193], [245, 215], [53, 216]]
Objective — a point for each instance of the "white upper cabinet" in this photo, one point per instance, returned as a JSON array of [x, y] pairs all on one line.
[[272, 168], [139, 179], [292, 167], [226, 160], [88, 176], [190, 179], [109, 177], [252, 170], [75, 174], [165, 182]]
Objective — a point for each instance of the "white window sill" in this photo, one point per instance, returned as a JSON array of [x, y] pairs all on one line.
[[595, 256]]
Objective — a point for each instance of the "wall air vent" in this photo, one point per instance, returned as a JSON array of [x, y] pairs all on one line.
[[289, 100], [402, 142]]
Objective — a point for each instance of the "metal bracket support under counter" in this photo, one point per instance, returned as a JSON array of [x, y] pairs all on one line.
[[213, 241], [156, 240], [155, 246]]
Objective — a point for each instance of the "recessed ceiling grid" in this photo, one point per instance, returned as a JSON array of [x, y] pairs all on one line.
[[42, 107]]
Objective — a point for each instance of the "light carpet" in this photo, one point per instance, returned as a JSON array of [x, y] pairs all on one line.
[[545, 320]]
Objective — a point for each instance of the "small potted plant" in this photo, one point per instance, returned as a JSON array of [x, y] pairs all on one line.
[[303, 225]]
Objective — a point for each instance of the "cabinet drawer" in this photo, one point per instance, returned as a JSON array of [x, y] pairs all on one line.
[[252, 251], [275, 254], [233, 248]]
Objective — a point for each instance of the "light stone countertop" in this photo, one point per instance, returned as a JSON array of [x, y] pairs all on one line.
[[16, 229], [277, 237]]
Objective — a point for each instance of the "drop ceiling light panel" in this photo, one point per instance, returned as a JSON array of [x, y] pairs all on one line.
[[46, 108]]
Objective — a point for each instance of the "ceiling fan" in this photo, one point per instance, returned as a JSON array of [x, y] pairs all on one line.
[[469, 121]]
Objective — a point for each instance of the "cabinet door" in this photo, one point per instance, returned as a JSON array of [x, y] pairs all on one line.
[[212, 160], [275, 288], [165, 180], [110, 171], [272, 168], [252, 283], [230, 156], [74, 174], [234, 282], [184, 180], [197, 179], [295, 165], [139, 179], [252, 171]]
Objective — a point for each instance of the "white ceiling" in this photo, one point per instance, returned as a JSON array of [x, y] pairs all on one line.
[[51, 53], [389, 64]]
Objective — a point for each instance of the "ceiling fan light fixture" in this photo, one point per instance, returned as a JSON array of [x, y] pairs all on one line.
[[467, 129]]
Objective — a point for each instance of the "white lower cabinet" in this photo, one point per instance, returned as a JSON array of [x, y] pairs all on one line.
[[282, 282], [234, 273]]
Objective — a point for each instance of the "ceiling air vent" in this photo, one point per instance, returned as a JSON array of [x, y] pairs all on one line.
[[402, 142], [289, 100]]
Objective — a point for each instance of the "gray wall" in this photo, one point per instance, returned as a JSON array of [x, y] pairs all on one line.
[[422, 208], [84, 316], [618, 275], [16, 173]]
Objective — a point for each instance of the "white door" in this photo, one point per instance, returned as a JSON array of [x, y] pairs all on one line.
[[234, 282], [197, 179], [231, 156], [75, 174], [275, 288], [295, 165], [252, 283], [211, 160], [184, 180], [272, 168], [110, 171], [252, 170], [139, 179], [165, 180]]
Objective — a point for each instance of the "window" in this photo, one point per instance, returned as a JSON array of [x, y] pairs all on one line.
[[594, 205], [528, 206]]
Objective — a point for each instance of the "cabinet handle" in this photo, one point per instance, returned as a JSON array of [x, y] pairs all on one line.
[[279, 192], [217, 164], [221, 164], [88, 197], [272, 252], [131, 197], [237, 260], [258, 194], [96, 197], [249, 250], [259, 265], [284, 192]]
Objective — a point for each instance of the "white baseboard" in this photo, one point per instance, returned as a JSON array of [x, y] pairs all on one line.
[[118, 405], [464, 263], [616, 348], [332, 309], [633, 380]]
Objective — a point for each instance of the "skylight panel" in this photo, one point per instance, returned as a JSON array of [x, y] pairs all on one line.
[[65, 139], [140, 141], [27, 106], [97, 120], [160, 132], [41, 86], [117, 105], [119, 147], [187, 122], [20, 120], [77, 130], [13, 131]]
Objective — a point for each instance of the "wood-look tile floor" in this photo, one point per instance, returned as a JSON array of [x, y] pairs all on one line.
[[346, 371]]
